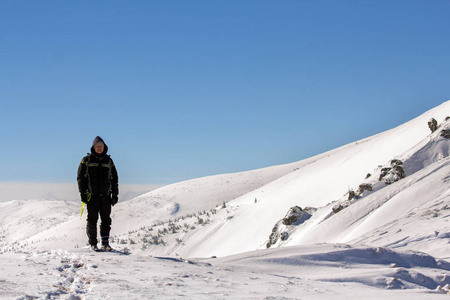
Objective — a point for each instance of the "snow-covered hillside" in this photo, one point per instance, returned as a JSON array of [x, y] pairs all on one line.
[[365, 210], [319, 182]]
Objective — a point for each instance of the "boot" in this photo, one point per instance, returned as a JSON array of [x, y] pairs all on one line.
[[105, 239], [106, 248]]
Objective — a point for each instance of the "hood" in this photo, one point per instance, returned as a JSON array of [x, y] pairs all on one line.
[[99, 140]]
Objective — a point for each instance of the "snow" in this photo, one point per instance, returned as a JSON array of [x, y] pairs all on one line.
[[207, 238], [311, 272], [62, 191]]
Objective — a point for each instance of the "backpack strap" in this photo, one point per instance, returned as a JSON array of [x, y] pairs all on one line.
[[109, 174], [88, 160]]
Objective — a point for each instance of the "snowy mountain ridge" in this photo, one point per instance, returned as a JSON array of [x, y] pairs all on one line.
[[382, 201], [316, 184]]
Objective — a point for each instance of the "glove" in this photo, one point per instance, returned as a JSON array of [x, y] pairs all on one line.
[[85, 197], [114, 199]]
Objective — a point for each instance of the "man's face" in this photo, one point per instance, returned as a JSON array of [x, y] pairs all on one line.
[[99, 147]]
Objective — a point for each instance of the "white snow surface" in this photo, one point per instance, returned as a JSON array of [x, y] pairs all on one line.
[[207, 238]]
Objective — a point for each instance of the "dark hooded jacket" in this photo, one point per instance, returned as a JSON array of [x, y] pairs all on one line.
[[97, 173]]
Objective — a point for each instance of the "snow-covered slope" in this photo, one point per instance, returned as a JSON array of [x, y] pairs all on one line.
[[326, 178], [314, 182], [402, 205], [194, 195]]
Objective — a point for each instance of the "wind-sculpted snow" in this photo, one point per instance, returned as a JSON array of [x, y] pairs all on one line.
[[352, 263], [430, 150], [315, 272]]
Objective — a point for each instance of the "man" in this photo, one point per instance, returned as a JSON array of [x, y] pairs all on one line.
[[99, 189]]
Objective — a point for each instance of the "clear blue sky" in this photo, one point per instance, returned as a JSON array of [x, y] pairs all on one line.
[[184, 89]]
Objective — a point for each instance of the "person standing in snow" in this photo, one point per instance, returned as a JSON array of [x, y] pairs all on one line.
[[99, 189]]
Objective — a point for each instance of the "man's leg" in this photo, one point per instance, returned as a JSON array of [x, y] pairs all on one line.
[[105, 215], [93, 208]]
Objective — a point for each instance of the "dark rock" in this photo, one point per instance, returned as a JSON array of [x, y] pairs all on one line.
[[337, 208], [432, 124], [384, 172], [274, 235], [399, 171], [351, 194], [394, 174], [365, 187], [293, 215], [445, 133], [396, 162], [284, 236]]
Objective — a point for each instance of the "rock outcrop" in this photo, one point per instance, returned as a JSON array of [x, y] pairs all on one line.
[[433, 125]]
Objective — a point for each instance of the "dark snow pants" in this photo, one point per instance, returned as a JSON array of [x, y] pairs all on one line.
[[99, 205]]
